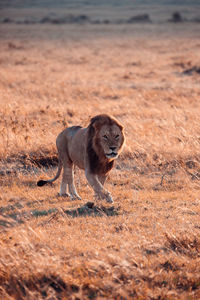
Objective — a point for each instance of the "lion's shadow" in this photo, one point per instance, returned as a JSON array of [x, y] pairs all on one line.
[[90, 209], [10, 217]]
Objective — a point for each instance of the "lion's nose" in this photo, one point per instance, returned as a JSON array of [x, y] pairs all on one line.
[[113, 148]]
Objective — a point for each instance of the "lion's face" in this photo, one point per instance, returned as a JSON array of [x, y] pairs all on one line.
[[111, 139], [105, 141]]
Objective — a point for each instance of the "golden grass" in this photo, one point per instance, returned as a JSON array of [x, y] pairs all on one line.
[[147, 246]]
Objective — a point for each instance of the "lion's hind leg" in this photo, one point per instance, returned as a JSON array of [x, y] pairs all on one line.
[[63, 189], [64, 183], [68, 181]]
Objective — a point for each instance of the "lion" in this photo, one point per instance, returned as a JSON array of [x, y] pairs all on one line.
[[93, 149]]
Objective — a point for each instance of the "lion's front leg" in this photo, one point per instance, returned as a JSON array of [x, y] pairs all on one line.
[[100, 191], [102, 179]]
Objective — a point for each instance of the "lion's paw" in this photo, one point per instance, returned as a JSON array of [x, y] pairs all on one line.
[[109, 198], [65, 195], [104, 195], [75, 197]]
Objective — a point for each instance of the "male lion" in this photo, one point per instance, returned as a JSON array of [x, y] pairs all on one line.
[[93, 149]]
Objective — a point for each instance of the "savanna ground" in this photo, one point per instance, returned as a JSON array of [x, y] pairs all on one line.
[[146, 245]]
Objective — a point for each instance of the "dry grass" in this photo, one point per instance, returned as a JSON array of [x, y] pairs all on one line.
[[147, 246]]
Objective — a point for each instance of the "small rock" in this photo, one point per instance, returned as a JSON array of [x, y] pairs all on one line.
[[90, 205]]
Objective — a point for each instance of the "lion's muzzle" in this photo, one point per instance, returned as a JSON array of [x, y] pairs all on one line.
[[112, 155]]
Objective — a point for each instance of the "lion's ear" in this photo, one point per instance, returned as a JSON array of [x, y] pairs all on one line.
[[96, 122], [96, 125]]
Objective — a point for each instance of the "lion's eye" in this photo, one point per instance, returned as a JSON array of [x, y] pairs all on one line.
[[117, 136], [105, 137]]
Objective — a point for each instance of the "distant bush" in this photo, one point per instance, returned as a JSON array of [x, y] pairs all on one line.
[[176, 18]]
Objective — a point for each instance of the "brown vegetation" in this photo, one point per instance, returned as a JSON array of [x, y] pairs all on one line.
[[146, 245]]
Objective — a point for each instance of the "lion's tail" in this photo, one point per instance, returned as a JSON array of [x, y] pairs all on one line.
[[43, 182]]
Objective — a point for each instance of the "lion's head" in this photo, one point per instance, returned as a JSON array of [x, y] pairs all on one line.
[[105, 141]]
